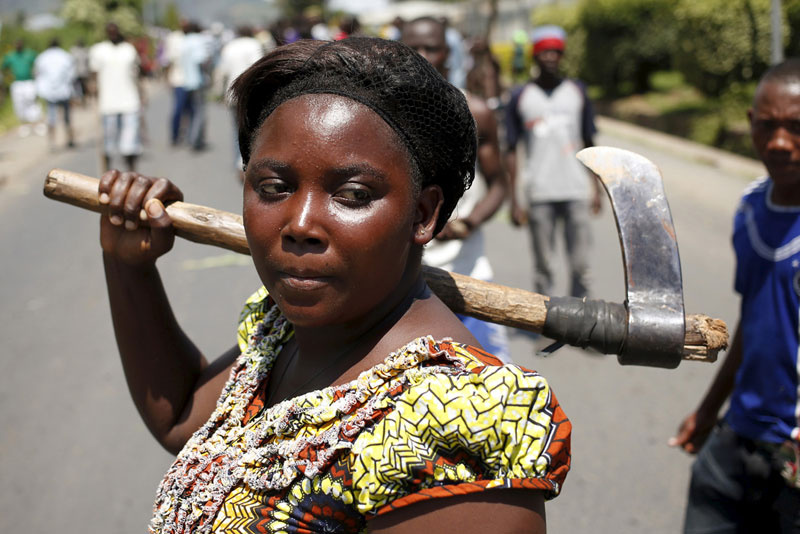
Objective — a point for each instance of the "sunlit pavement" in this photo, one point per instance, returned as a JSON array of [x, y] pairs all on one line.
[[74, 455]]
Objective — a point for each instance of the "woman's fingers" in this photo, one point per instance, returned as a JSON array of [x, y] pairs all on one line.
[[131, 200], [164, 190], [161, 234], [132, 205], [117, 197], [104, 186]]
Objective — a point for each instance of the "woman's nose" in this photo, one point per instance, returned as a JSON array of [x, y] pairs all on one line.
[[303, 221]]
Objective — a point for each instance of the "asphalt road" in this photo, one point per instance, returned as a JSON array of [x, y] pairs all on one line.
[[74, 456]]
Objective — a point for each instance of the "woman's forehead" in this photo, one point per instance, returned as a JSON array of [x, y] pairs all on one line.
[[328, 115], [327, 109], [333, 128]]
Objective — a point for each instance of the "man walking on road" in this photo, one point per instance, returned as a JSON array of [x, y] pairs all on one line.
[[746, 478], [459, 246], [23, 89], [173, 49], [235, 58], [195, 60], [55, 75], [554, 117], [116, 64]]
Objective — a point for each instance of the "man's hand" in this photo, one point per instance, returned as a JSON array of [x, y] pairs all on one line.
[[456, 229], [693, 432], [519, 216], [596, 204]]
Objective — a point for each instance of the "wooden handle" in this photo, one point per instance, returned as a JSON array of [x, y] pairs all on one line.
[[495, 303]]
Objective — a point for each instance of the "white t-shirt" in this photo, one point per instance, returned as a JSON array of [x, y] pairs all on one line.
[[463, 256], [236, 57], [117, 68], [552, 125], [195, 52], [173, 48], [54, 72]]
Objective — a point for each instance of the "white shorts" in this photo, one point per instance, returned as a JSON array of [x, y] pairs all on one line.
[[23, 98], [121, 134]]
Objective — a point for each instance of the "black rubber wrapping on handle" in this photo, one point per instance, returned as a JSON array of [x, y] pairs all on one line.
[[583, 323]]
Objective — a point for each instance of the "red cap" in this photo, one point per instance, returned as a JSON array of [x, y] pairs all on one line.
[[551, 43]]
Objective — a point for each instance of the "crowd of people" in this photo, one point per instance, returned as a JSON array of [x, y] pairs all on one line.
[[361, 159]]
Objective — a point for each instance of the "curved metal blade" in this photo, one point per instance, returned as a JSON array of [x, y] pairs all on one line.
[[653, 283]]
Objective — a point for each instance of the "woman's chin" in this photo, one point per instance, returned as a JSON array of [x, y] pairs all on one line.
[[310, 315]]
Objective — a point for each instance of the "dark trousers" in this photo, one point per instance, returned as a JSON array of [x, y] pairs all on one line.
[[197, 121], [736, 487], [543, 219], [181, 106]]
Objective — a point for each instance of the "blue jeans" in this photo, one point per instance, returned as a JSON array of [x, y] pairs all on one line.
[[52, 111], [181, 105], [736, 487], [197, 121]]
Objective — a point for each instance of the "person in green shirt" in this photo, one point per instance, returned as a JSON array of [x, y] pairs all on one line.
[[23, 89]]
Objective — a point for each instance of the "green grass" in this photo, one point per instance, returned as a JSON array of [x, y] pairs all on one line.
[[8, 119], [666, 80], [674, 107]]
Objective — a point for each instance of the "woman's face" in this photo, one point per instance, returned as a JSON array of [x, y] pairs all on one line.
[[330, 212]]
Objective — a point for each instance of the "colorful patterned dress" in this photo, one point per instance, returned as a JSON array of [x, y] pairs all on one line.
[[435, 419]]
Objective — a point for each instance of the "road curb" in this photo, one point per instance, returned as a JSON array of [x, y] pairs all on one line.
[[713, 157]]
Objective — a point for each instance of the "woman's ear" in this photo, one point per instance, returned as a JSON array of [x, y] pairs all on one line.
[[429, 202]]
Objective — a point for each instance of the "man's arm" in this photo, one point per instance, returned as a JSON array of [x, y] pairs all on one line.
[[514, 129], [588, 130], [497, 511], [491, 170], [694, 430]]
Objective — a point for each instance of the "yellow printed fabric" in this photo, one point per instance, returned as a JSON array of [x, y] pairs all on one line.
[[434, 419]]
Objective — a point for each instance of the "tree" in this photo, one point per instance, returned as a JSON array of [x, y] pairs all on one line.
[[722, 42], [172, 16], [93, 15]]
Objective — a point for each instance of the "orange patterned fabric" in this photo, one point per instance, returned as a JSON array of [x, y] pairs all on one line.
[[435, 419]]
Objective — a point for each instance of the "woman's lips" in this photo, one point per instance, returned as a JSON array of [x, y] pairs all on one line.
[[303, 283]]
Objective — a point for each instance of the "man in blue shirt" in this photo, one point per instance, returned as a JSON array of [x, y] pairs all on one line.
[[745, 477]]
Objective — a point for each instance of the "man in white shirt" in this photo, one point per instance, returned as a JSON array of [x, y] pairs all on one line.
[[54, 73], [173, 48], [115, 62], [80, 54], [235, 58], [553, 118], [195, 58]]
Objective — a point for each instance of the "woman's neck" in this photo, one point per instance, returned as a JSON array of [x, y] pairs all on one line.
[[357, 337]]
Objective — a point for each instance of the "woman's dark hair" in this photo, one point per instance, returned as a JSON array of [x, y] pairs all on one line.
[[430, 116]]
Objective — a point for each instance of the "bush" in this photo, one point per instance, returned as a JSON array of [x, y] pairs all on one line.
[[93, 15], [722, 42], [791, 9], [626, 41]]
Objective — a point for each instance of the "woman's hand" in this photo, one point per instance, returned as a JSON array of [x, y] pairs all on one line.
[[136, 229]]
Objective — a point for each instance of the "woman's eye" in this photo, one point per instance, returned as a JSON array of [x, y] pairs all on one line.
[[355, 195], [272, 187]]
